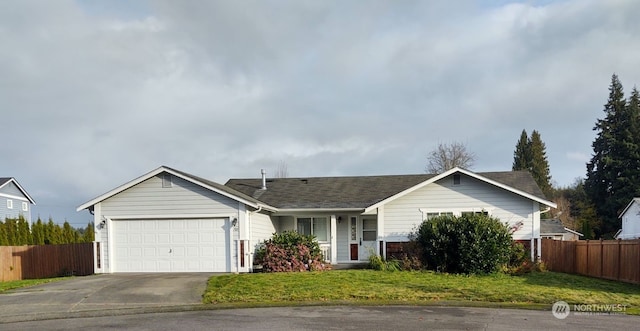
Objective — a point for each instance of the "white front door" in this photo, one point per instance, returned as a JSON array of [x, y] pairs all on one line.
[[368, 235], [363, 235]]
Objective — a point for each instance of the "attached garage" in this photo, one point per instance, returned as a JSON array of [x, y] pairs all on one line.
[[170, 221], [171, 245]]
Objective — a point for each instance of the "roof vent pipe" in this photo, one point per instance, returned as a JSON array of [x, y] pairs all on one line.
[[264, 179]]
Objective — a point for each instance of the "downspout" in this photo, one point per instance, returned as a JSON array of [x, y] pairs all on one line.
[[532, 240], [539, 241]]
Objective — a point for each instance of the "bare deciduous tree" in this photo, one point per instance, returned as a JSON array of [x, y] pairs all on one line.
[[447, 156], [282, 171]]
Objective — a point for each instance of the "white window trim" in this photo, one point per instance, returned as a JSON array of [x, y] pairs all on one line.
[[25, 206], [370, 230], [312, 218], [9, 204], [456, 211]]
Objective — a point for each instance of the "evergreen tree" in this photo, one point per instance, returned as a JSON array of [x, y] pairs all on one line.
[[24, 233], [11, 231], [4, 240], [53, 233], [37, 232], [580, 212], [539, 166], [522, 154], [531, 155], [613, 173], [68, 233], [89, 233]]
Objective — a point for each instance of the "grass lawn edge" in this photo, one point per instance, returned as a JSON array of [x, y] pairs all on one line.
[[538, 291], [14, 284], [468, 304]]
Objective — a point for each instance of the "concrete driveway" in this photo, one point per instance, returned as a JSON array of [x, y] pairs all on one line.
[[102, 295]]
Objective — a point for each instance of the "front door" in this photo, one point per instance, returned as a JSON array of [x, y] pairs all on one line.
[[363, 234]]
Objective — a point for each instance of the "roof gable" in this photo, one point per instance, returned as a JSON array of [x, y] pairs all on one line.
[[213, 186], [624, 211], [8, 181], [517, 182]]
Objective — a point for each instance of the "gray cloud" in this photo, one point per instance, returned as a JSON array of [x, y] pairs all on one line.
[[95, 94]]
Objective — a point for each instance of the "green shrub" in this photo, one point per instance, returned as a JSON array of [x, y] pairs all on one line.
[[527, 267], [469, 244], [377, 262], [518, 254], [290, 251]]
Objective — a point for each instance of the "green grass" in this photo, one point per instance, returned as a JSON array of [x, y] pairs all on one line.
[[4, 286], [536, 290]]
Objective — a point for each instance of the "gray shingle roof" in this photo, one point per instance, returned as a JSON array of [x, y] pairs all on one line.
[[551, 226], [354, 192], [220, 187]]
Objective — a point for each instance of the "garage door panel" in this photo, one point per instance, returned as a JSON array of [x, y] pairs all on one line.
[[150, 252], [195, 245], [178, 238]]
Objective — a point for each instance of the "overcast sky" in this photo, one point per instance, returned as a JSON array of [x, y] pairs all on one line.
[[96, 93]]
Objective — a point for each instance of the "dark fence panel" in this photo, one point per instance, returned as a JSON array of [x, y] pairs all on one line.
[[42, 261]]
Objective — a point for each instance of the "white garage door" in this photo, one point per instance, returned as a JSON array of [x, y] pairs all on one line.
[[181, 245]]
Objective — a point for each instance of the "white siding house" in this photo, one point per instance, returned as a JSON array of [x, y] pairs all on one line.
[[171, 221], [630, 217], [14, 200]]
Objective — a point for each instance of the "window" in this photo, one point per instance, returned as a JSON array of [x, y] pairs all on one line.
[[354, 228], [166, 181], [316, 226], [9, 204], [431, 215], [25, 206], [469, 213], [369, 229], [428, 214]]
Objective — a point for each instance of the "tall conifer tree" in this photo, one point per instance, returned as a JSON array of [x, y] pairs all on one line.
[[613, 174], [539, 163], [522, 154], [531, 155], [37, 232]]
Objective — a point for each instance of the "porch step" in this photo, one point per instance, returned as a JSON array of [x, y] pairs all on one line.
[[345, 266]]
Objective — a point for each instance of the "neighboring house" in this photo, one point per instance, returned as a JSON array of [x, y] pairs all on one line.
[[630, 217], [554, 229], [171, 221], [14, 200]]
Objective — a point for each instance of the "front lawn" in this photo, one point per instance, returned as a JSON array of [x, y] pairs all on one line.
[[536, 290], [4, 286]]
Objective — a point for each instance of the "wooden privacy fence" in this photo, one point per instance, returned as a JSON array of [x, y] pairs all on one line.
[[609, 259], [42, 261]]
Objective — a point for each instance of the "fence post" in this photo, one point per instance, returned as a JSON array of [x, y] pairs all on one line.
[[587, 255], [619, 260], [601, 258]]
